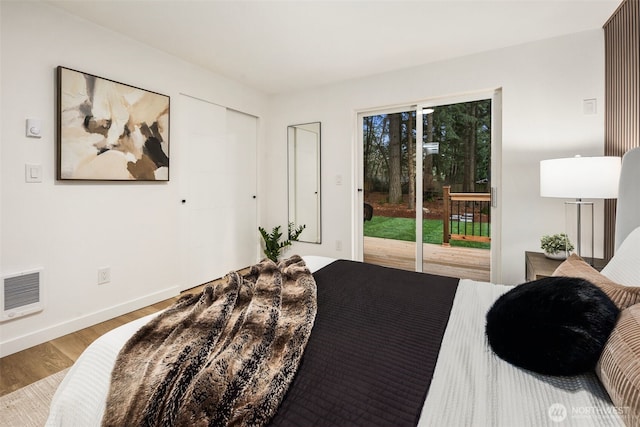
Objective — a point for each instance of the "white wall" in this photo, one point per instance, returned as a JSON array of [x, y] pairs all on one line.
[[543, 88], [72, 229]]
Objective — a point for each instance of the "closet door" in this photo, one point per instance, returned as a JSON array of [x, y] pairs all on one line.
[[242, 215], [219, 187]]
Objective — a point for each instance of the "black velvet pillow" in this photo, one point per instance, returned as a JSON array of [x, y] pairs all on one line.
[[553, 326]]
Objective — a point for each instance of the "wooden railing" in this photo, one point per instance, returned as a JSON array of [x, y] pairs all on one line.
[[469, 214]]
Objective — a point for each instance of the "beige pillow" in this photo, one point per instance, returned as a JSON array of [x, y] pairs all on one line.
[[619, 366], [622, 296]]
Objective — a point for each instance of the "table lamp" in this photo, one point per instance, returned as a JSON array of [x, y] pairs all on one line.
[[580, 178]]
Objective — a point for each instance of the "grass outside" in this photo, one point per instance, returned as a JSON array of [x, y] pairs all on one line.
[[405, 229]]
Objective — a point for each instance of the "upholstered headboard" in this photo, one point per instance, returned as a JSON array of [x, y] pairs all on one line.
[[628, 208]]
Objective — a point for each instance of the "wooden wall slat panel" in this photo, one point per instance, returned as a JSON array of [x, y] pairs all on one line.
[[622, 95]]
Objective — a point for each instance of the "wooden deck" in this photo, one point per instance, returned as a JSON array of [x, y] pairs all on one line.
[[466, 263]]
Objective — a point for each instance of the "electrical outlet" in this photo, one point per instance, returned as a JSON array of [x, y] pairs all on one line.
[[104, 275], [338, 245]]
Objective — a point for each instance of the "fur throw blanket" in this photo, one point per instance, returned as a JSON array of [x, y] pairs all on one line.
[[224, 357]]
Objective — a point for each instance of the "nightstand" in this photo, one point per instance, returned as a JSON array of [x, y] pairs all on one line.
[[538, 266]]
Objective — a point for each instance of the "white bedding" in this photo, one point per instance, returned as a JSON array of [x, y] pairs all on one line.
[[624, 267], [81, 397], [470, 385]]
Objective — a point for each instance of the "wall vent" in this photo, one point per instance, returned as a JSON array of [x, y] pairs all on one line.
[[21, 295]]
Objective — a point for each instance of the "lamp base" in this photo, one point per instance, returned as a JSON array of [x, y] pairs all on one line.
[[580, 228]]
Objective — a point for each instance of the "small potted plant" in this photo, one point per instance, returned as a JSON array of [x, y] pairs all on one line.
[[273, 247], [557, 246]]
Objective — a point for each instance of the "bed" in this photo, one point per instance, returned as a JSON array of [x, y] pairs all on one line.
[[397, 348]]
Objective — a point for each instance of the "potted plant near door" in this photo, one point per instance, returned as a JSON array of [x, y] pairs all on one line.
[[273, 247]]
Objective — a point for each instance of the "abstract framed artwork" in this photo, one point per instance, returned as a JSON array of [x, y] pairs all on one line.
[[109, 130]]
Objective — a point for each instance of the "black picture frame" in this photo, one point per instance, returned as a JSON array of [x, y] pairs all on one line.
[[110, 131]]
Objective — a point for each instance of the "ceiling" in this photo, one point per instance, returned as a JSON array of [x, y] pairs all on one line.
[[281, 46]]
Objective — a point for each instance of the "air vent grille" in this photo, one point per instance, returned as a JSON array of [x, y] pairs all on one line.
[[21, 290], [21, 295]]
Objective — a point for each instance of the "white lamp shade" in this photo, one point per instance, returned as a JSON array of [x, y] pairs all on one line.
[[580, 177]]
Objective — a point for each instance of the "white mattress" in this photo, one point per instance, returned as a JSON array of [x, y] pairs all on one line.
[[470, 385]]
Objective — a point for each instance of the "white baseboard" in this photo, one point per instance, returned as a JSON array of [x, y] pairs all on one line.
[[49, 333]]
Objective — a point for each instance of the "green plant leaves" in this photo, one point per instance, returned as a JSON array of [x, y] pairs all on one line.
[[272, 244]]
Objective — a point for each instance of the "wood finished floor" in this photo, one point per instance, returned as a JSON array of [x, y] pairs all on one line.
[[28, 366]]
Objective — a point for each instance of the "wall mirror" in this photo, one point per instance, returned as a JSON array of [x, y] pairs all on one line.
[[303, 145]]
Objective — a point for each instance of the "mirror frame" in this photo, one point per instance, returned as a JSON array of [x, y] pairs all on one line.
[[311, 234]]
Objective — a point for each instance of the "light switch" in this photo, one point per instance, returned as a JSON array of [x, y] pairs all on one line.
[[34, 128], [33, 173]]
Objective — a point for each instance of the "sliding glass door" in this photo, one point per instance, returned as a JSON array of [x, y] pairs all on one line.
[[426, 184], [389, 188]]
